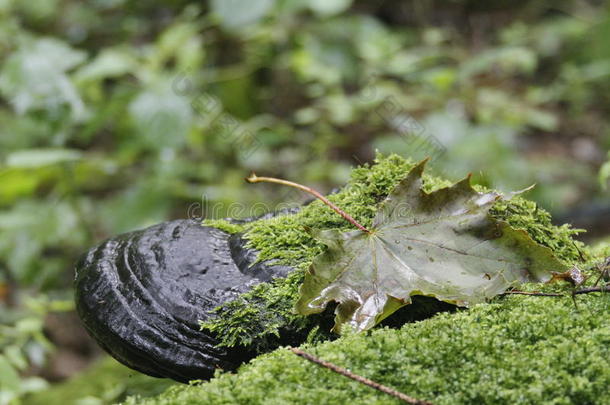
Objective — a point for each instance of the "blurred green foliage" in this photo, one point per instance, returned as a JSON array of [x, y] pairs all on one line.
[[24, 345], [604, 173], [106, 382], [119, 114]]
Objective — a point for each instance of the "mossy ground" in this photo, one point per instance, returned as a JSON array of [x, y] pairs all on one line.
[[257, 319], [515, 349]]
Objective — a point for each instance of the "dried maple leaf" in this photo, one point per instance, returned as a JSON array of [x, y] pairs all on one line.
[[443, 244]]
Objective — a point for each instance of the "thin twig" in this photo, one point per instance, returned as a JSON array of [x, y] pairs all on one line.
[[605, 288], [360, 379], [601, 275], [534, 293], [256, 179], [576, 292]]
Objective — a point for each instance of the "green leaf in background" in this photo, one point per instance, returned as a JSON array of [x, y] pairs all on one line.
[[35, 77], [9, 378], [11, 386], [234, 14], [161, 117], [443, 244], [507, 60], [329, 7], [111, 62], [32, 158]]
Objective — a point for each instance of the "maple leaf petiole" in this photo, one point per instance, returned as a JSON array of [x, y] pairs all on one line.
[[253, 178]]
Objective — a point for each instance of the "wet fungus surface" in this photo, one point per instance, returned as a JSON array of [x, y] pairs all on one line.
[[141, 296]]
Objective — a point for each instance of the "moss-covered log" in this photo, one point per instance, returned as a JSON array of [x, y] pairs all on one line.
[[262, 319], [262, 316]]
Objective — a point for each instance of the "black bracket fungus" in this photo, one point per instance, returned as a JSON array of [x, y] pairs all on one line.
[[141, 296]]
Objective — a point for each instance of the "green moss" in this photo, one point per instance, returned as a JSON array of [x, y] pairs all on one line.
[[106, 382], [525, 350], [258, 317], [224, 225]]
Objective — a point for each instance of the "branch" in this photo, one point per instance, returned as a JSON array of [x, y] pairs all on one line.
[[575, 292], [534, 293], [605, 288], [346, 373]]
